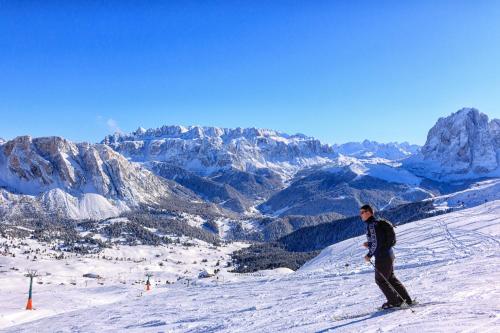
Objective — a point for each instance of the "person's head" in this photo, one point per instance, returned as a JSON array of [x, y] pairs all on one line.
[[366, 211]]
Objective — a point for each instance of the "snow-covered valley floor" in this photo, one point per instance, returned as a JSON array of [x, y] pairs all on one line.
[[450, 263]]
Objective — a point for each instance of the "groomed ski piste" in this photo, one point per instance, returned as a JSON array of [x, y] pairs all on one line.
[[450, 263]]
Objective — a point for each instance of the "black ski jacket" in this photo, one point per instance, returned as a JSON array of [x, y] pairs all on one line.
[[378, 246]]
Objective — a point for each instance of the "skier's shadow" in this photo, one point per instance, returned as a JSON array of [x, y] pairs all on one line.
[[373, 315]]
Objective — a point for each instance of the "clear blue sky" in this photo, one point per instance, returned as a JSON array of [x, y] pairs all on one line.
[[337, 70]]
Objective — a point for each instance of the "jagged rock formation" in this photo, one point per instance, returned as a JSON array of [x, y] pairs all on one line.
[[206, 150], [78, 180], [460, 146]]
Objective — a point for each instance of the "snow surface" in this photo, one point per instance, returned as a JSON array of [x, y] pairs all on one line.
[[61, 287], [450, 263]]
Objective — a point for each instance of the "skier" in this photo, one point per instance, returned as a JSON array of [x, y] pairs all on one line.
[[381, 239]]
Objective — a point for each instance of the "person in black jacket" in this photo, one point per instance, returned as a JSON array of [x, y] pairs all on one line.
[[379, 244]]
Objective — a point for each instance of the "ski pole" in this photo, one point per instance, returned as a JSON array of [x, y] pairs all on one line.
[[392, 288]]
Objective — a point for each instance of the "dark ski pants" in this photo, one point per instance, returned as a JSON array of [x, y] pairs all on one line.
[[385, 266]]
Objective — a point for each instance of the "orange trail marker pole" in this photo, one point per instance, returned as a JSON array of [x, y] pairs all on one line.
[[31, 275]]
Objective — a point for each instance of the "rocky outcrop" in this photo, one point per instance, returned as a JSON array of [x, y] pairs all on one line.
[[460, 146], [80, 180]]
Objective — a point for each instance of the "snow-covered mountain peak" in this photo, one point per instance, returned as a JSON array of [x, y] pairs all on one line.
[[465, 112], [463, 121], [140, 130], [29, 165], [462, 145], [55, 174]]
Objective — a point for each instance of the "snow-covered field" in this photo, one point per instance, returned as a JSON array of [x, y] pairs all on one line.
[[61, 287], [450, 263]]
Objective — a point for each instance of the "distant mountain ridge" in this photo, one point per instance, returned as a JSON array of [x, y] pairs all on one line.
[[367, 149], [207, 150]]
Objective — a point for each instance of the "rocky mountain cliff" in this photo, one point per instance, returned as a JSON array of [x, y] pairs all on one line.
[[463, 145], [81, 180], [207, 150]]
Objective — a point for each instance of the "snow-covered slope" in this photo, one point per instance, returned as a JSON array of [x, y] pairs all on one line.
[[477, 194], [54, 175], [206, 150], [63, 204], [462, 145], [452, 236], [450, 263]]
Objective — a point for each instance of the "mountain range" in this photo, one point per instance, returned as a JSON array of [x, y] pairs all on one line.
[[248, 179]]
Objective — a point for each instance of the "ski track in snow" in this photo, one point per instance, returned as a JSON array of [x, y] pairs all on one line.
[[450, 263]]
